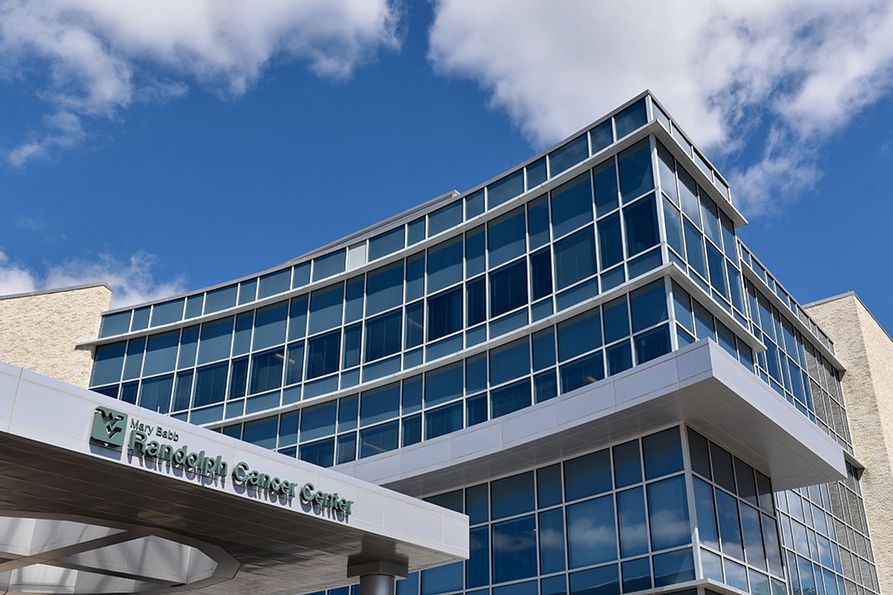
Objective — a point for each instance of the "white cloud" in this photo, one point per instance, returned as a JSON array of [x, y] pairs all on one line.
[[101, 56], [725, 69], [132, 281]]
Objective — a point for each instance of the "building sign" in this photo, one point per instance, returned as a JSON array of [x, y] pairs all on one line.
[[160, 444]]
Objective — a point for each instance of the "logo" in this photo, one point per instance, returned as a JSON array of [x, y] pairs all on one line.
[[109, 427]]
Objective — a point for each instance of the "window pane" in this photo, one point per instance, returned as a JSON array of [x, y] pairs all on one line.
[[605, 180], [477, 569], [261, 432], [325, 308], [216, 338], [580, 334], [688, 192], [574, 258], [445, 218], [155, 394], [474, 204], [616, 314], [220, 299], [694, 246], [161, 353], [729, 530], [266, 370], [386, 243], [668, 513], [384, 288], [706, 512], [210, 384], [383, 335], [444, 313], [717, 264], [631, 522], [674, 567], [379, 439], [320, 453], [238, 378], [297, 324], [323, 354], [536, 173], [640, 220], [673, 224], [591, 535], [538, 221], [512, 495], [476, 302], [583, 371], [551, 541], [636, 575], [587, 475], [183, 391], [510, 398], [635, 171], [108, 363], [328, 265], [352, 347], [595, 581], [505, 189], [753, 538], [627, 464], [667, 171], [415, 276], [380, 404], [568, 155], [508, 288], [269, 325], [444, 264], [648, 305], [514, 549], [610, 241], [442, 579], [318, 421], [506, 237], [443, 420], [630, 119], [662, 453], [572, 204], [443, 384], [541, 273], [509, 361], [415, 325]]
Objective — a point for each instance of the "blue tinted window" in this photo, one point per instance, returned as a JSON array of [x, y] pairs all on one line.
[[509, 361], [507, 188], [662, 453], [475, 252], [183, 391], [476, 409], [583, 371], [247, 291], [216, 338], [476, 304], [729, 529], [384, 288], [717, 263], [445, 264], [631, 118], [704, 328], [506, 237], [380, 404], [572, 204], [242, 337], [220, 299], [545, 386], [115, 324], [536, 173], [510, 398], [108, 363], [210, 384], [673, 223], [348, 410], [641, 226], [548, 485], [443, 420], [674, 567], [194, 304], [652, 344], [320, 453], [538, 221], [591, 535], [668, 513], [477, 569], [610, 241], [415, 231], [442, 579], [261, 432], [508, 288], [301, 275], [723, 473], [161, 353], [323, 354], [512, 495], [706, 513], [445, 217], [318, 421], [383, 335], [273, 283], [543, 349], [753, 538], [616, 315], [710, 217], [627, 466], [587, 475], [379, 439], [648, 305], [636, 575], [580, 334], [619, 358], [667, 171], [266, 370], [297, 324], [294, 362], [386, 243], [477, 503], [443, 384], [326, 308], [551, 528], [688, 192], [328, 265], [574, 258], [595, 581], [155, 394], [635, 171], [140, 318], [412, 430], [604, 176], [694, 245], [445, 313], [514, 549], [476, 373], [269, 325], [631, 522], [415, 324], [353, 296], [474, 204], [415, 276], [601, 136], [167, 312], [569, 155]]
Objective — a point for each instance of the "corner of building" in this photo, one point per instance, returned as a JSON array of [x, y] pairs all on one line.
[[39, 330]]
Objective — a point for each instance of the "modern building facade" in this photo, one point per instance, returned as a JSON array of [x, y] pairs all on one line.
[[580, 354]]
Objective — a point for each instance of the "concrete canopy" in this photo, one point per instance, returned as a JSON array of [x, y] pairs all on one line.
[[80, 516]]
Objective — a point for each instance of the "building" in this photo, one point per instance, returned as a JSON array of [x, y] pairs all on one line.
[[580, 355]]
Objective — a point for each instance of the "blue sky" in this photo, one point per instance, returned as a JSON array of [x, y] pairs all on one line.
[[162, 152]]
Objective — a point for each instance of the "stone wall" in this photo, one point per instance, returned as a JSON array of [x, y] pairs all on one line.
[[866, 350], [39, 331]]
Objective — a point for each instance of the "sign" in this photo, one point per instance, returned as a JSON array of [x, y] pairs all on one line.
[[160, 444]]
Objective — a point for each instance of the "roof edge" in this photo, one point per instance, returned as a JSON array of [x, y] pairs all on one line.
[[55, 290]]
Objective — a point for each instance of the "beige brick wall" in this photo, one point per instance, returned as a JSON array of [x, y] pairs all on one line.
[[38, 331], [867, 352]]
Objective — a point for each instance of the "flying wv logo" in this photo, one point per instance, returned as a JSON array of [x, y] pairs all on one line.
[[109, 427]]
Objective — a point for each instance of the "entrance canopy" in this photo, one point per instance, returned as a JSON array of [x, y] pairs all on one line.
[[99, 496]]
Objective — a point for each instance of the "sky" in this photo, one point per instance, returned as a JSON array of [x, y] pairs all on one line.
[[167, 146]]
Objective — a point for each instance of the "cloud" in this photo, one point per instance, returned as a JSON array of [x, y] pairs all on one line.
[[729, 71], [132, 281], [98, 57]]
